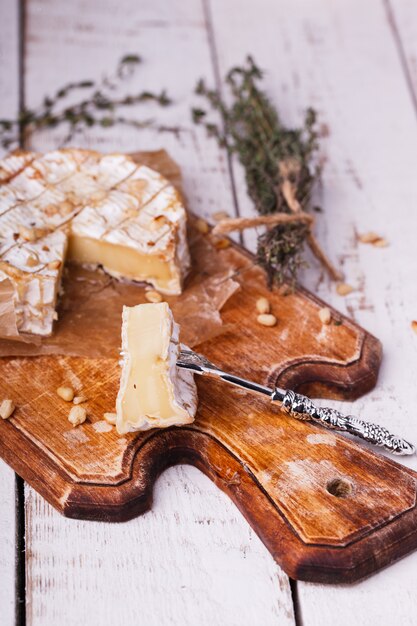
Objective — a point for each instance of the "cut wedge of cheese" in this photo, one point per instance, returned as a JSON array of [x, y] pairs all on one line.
[[93, 209], [154, 392]]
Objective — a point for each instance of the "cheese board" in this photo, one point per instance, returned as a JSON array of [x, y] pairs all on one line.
[[328, 509]]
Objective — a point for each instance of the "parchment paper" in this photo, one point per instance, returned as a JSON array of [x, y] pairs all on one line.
[[90, 308]]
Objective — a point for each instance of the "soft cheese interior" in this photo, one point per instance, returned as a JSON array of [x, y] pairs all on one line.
[[97, 210], [153, 391]]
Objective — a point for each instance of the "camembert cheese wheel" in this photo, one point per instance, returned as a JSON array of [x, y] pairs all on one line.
[[93, 209]]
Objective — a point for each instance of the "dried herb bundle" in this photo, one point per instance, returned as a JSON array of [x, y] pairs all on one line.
[[99, 107], [278, 163]]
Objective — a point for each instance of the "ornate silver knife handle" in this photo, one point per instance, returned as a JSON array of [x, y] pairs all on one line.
[[300, 406], [303, 408]]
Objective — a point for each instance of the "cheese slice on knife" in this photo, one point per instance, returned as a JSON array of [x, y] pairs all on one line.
[[93, 209], [154, 392]]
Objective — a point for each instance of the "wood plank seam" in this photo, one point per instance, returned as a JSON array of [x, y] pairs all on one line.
[[392, 23], [219, 85], [20, 599], [20, 591]]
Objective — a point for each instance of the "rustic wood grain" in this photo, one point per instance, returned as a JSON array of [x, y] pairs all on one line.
[[278, 470]]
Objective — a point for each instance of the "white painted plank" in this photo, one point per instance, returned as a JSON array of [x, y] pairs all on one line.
[[193, 558], [9, 102], [342, 59], [190, 560], [7, 545], [85, 42]]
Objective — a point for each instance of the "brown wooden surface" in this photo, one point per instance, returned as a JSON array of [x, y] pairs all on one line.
[[278, 470]]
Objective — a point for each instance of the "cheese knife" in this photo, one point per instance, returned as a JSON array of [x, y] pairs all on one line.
[[301, 407]]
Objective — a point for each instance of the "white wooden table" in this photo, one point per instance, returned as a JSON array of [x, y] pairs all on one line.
[[193, 559]]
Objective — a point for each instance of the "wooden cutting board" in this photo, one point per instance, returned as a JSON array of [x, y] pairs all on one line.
[[328, 509]]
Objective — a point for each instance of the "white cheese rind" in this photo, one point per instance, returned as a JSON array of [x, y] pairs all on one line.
[[178, 383], [82, 194], [36, 286], [13, 164]]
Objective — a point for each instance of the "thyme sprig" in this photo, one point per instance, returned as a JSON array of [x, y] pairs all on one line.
[[279, 165], [97, 106]]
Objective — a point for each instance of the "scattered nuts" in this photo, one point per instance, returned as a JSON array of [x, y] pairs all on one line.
[[266, 319], [343, 289], [414, 326], [6, 409], [66, 393], [153, 296], [325, 315], [221, 244], [32, 260], [262, 305], [202, 226], [220, 215], [110, 418], [79, 399], [77, 415], [54, 265]]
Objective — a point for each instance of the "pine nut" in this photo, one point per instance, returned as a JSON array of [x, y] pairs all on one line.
[[266, 319], [343, 289], [153, 296], [263, 305], [325, 315], [66, 393], [77, 415], [202, 226], [6, 409], [79, 399], [110, 418]]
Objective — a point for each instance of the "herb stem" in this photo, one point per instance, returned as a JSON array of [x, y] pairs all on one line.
[[279, 166]]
